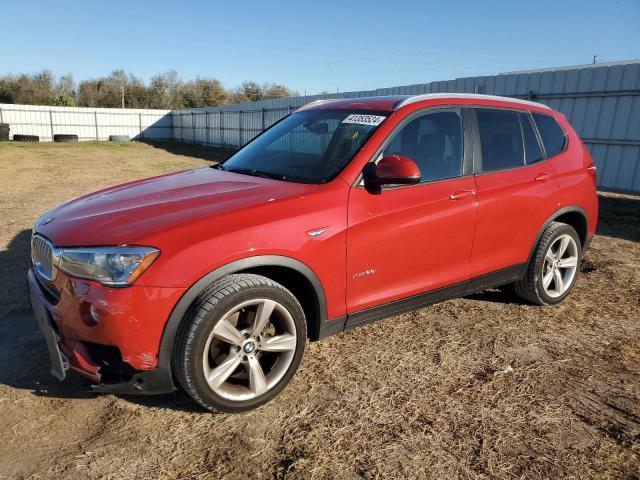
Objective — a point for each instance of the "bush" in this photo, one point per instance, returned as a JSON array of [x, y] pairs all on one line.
[[64, 101]]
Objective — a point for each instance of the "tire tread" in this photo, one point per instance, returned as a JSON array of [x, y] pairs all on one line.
[[528, 287], [206, 302]]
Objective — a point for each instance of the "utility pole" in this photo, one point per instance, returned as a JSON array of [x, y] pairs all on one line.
[[122, 92], [595, 58]]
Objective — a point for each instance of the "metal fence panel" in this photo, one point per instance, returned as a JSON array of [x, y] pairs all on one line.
[[87, 123]]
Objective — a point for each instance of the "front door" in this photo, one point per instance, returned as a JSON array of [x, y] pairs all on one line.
[[412, 239]]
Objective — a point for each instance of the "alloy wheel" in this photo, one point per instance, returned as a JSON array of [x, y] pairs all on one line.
[[249, 349], [560, 266]]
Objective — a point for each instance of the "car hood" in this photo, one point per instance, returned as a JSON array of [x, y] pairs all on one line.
[[124, 213]]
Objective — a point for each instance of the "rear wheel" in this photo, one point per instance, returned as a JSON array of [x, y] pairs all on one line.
[[241, 343], [554, 268]]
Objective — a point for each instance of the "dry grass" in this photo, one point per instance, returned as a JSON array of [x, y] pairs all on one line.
[[480, 387]]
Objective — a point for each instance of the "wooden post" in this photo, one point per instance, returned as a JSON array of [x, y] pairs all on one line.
[[95, 119]]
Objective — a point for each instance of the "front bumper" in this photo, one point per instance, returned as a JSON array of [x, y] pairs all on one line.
[[109, 335]]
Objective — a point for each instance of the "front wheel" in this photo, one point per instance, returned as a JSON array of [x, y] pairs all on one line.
[[241, 343], [554, 267]]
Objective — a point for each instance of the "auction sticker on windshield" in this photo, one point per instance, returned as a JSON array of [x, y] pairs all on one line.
[[360, 119]]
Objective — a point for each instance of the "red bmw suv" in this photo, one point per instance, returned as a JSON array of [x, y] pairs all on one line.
[[345, 212]]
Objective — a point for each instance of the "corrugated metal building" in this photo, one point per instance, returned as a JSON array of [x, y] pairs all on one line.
[[602, 102]]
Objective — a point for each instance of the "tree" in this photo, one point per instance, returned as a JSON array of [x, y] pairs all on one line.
[[64, 100], [204, 92], [36, 89], [275, 90], [66, 86], [164, 91], [109, 91], [252, 91]]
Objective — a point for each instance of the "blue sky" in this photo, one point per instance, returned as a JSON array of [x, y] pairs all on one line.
[[314, 46]]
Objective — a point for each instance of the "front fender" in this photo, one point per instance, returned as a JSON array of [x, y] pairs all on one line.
[[180, 309]]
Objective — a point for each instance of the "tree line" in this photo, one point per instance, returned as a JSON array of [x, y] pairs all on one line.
[[164, 91]]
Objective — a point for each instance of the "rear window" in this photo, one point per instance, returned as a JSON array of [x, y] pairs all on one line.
[[501, 139], [553, 138]]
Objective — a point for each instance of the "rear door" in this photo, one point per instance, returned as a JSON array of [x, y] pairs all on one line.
[[412, 239], [517, 191]]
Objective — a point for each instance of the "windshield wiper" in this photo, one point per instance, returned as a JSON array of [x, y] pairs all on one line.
[[254, 173]]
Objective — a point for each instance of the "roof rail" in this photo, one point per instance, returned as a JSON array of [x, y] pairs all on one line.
[[435, 96]]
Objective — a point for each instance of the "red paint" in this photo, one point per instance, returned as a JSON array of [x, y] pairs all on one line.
[[403, 233], [80, 360], [376, 247], [131, 318], [397, 166]]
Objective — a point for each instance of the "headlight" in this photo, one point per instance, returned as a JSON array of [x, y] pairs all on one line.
[[113, 266]]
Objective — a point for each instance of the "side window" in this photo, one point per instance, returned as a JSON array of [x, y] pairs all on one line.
[[553, 138], [532, 150], [434, 142], [501, 139]]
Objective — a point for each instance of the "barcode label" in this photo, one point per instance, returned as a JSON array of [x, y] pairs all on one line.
[[359, 119]]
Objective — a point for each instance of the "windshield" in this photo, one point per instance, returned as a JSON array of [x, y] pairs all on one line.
[[311, 146]]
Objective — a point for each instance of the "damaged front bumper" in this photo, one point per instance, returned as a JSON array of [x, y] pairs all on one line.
[[109, 335]]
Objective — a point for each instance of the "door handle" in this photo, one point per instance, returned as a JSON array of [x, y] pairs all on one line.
[[462, 194], [543, 177]]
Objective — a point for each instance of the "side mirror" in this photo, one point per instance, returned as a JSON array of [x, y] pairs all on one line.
[[390, 170]]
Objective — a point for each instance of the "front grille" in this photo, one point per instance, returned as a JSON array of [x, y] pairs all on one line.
[[42, 256]]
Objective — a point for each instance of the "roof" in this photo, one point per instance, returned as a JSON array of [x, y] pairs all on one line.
[[394, 102], [575, 67]]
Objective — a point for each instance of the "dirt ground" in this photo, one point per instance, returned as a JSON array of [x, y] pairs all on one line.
[[482, 387]]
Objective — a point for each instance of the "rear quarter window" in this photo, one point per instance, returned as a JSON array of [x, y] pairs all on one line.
[[553, 137]]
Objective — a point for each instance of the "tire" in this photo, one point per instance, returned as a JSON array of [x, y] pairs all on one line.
[[119, 138], [65, 138], [234, 301], [26, 138], [549, 261]]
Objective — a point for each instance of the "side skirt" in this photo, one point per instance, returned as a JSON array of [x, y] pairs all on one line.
[[468, 287]]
